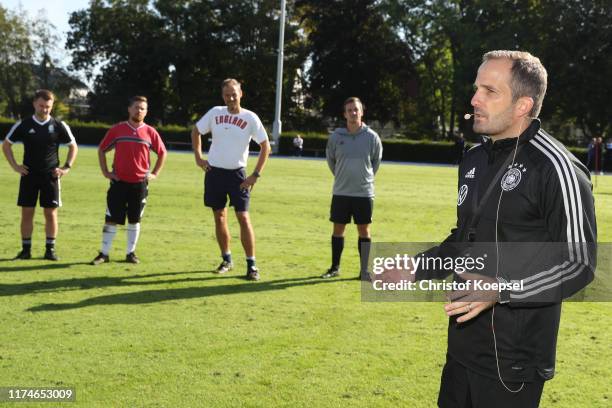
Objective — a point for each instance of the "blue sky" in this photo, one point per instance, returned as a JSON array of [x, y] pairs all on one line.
[[57, 10]]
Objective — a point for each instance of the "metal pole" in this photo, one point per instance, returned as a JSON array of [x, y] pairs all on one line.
[[277, 126]]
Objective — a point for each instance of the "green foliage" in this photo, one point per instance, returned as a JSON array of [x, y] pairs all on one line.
[[413, 62], [577, 51], [178, 52], [179, 138], [422, 151], [572, 38], [354, 52], [16, 80], [169, 333]]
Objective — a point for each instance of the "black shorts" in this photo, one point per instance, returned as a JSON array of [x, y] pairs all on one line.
[[124, 199], [220, 183], [49, 187], [345, 207], [461, 387]]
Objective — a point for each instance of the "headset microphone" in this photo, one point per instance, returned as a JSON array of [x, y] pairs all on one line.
[[467, 116]]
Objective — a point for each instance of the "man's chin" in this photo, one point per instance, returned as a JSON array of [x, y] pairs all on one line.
[[480, 129]]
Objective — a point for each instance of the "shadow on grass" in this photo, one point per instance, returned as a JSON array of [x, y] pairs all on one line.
[[95, 282], [22, 268], [152, 296]]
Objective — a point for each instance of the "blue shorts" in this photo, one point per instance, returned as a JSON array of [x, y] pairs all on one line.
[[221, 183]]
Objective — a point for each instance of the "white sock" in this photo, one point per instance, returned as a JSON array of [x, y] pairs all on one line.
[[133, 231], [108, 234]]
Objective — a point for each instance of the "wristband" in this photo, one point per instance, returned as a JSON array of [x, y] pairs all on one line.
[[256, 173], [67, 165]]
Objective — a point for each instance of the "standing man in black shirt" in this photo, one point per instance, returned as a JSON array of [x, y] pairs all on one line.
[[40, 172], [527, 202]]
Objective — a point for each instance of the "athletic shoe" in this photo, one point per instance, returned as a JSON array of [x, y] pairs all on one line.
[[132, 258], [100, 259], [252, 273], [24, 254], [331, 273], [224, 267], [50, 255]]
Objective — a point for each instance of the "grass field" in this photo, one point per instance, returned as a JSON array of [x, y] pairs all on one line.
[[169, 333]]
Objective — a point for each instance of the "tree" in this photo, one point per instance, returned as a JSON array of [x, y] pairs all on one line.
[[125, 37], [354, 51], [177, 52], [425, 29], [16, 80], [576, 48]]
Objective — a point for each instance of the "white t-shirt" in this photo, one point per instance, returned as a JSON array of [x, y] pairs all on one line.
[[231, 134]]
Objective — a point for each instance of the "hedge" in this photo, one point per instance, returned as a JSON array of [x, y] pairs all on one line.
[[178, 138], [87, 133]]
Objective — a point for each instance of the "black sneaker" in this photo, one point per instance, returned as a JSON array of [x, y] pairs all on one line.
[[24, 254], [224, 267], [100, 259], [50, 254], [132, 258], [331, 273], [252, 273]]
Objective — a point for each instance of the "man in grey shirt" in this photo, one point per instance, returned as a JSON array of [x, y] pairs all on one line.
[[353, 155]]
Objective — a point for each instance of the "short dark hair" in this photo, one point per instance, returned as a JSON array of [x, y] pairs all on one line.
[[45, 94], [529, 77], [232, 82], [351, 100], [138, 98]]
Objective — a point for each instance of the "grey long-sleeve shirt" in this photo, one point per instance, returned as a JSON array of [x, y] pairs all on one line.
[[353, 158]]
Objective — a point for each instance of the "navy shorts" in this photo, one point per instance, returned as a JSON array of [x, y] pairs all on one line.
[[345, 207], [124, 199], [47, 185], [221, 183]]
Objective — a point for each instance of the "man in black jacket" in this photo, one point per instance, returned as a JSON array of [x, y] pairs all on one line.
[[527, 199]]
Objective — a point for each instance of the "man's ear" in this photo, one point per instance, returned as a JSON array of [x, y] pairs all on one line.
[[524, 105]]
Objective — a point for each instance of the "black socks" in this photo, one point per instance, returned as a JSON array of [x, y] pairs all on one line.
[[363, 245], [337, 247]]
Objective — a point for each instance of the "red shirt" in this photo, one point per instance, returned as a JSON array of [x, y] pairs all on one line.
[[132, 145]]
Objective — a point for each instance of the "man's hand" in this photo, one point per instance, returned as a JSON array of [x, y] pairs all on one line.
[[203, 164], [470, 309], [248, 183], [471, 302], [21, 169], [110, 175], [151, 176], [397, 275], [60, 171]]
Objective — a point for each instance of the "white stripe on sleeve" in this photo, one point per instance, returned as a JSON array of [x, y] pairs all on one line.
[[10, 133]]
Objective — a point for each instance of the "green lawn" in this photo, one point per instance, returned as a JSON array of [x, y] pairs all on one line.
[[169, 333]]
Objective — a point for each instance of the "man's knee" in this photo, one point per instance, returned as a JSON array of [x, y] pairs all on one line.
[[243, 218], [363, 230], [27, 212], [339, 229], [50, 212], [220, 216]]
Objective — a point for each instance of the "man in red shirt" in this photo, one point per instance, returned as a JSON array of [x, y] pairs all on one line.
[[129, 179]]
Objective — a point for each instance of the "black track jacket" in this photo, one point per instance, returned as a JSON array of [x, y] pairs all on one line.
[[547, 198]]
